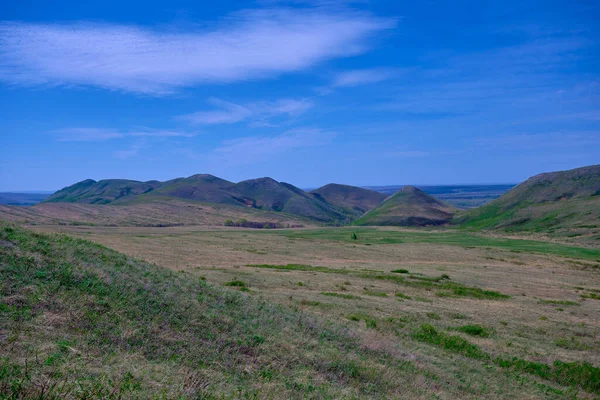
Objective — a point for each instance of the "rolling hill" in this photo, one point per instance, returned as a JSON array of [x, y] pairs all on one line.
[[564, 203], [353, 200], [105, 191], [263, 194], [409, 207]]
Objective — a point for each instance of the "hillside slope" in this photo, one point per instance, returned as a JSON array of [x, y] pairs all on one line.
[[200, 187], [78, 320], [353, 200], [409, 207], [564, 203]]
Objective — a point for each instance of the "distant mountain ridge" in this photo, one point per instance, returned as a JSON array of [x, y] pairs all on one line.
[[564, 201]]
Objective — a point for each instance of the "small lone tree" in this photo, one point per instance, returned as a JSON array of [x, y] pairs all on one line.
[[354, 237]]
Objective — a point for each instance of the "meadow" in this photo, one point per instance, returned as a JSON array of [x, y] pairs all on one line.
[[486, 315]]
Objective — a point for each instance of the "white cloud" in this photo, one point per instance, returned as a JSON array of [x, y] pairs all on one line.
[[260, 112], [248, 45]]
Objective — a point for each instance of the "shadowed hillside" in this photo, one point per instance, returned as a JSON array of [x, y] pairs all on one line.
[[409, 207], [561, 203], [353, 200]]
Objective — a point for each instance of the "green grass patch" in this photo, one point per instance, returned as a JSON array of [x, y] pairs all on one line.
[[401, 295], [474, 330], [559, 302], [579, 373], [448, 289], [451, 289], [451, 238], [400, 271], [429, 333], [235, 283]]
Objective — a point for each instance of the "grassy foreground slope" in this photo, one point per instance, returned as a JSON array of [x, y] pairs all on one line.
[[564, 203], [78, 320], [409, 207]]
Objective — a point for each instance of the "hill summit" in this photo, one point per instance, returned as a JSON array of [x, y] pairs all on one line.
[[354, 200], [409, 206]]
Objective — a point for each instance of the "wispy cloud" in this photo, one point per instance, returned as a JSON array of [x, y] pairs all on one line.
[[363, 77], [358, 77], [228, 113], [259, 113], [101, 134], [252, 149], [251, 44]]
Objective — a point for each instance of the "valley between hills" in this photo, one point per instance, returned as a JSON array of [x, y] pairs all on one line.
[[126, 289]]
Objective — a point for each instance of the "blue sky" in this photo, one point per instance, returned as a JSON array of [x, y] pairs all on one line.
[[307, 92]]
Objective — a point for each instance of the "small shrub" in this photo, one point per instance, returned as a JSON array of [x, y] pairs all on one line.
[[400, 271], [474, 330], [370, 323], [235, 283], [353, 236]]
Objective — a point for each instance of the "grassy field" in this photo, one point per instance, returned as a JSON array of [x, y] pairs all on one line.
[[485, 316]]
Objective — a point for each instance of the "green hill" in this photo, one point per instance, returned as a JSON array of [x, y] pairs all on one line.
[[353, 200], [102, 192], [409, 207], [564, 203], [78, 320], [264, 194]]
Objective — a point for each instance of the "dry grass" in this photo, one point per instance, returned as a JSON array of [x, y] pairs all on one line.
[[533, 324]]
